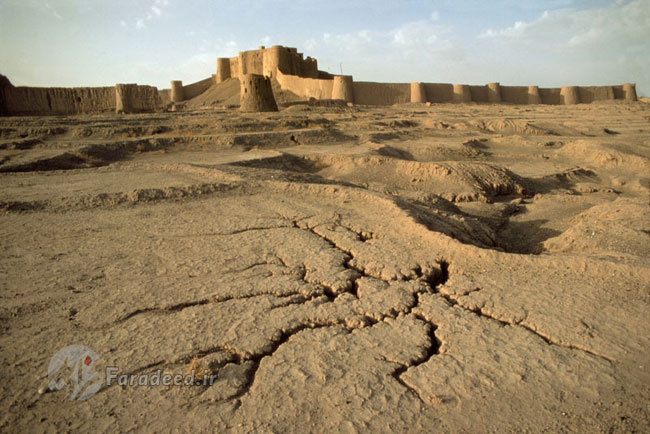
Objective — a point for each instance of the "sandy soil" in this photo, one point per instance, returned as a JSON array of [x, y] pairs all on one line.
[[453, 268]]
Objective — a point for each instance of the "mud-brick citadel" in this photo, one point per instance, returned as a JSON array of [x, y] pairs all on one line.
[[265, 69]]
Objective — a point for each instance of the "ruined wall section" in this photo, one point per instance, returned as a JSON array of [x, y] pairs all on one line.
[[514, 94], [371, 93], [133, 98], [55, 100], [306, 87], [366, 92], [195, 89], [439, 92], [34, 101]]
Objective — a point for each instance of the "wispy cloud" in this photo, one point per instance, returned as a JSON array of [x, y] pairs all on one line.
[[155, 10], [608, 43], [381, 54]]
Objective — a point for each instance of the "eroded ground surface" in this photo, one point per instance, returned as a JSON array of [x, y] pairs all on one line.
[[450, 268]]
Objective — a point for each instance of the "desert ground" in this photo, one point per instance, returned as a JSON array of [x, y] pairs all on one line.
[[444, 268]]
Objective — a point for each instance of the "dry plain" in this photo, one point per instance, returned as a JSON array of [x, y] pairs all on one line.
[[452, 268]]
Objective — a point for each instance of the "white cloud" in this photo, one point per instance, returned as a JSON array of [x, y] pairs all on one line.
[[54, 12], [617, 24], [381, 54], [596, 45], [123, 23], [155, 10]]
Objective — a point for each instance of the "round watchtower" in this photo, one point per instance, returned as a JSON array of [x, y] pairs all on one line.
[[223, 69], [569, 95], [461, 93], [256, 94], [629, 92], [177, 94], [494, 92], [342, 88], [418, 94]]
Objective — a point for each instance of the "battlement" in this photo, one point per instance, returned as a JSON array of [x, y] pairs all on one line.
[[266, 61]]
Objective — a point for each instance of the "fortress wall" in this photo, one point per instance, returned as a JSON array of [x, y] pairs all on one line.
[[55, 100], [533, 95], [479, 93], [234, 67], [165, 96], [439, 92], [251, 62], [515, 94], [133, 98], [550, 95], [629, 92], [288, 61], [418, 95], [595, 93], [266, 61], [370, 93], [310, 68], [618, 92], [195, 89], [306, 87]]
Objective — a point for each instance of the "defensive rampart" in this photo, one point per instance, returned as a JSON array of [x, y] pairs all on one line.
[[21, 100], [297, 74], [372, 93]]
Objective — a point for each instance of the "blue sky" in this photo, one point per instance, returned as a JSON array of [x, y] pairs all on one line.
[[515, 42]]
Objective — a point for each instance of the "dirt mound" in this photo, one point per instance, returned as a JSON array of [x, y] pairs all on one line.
[[618, 227], [93, 155], [426, 150], [510, 126], [604, 155], [454, 181], [225, 93]]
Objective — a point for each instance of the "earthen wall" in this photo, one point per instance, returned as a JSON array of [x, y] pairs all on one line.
[[366, 92], [55, 100], [195, 89], [514, 94], [306, 87]]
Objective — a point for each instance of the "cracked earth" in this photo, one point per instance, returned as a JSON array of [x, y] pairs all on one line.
[[472, 268]]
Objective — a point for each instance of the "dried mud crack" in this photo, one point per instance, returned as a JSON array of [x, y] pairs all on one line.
[[331, 268]]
